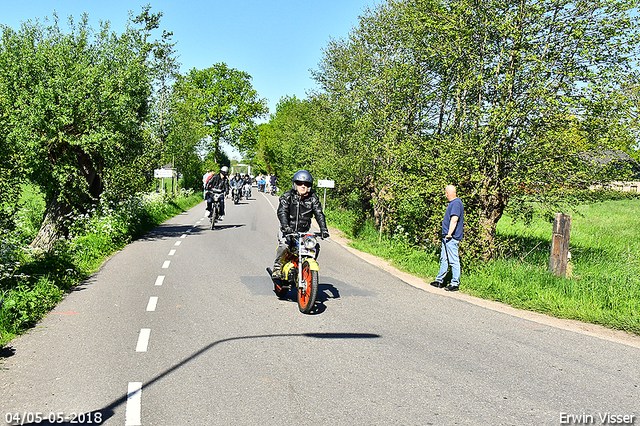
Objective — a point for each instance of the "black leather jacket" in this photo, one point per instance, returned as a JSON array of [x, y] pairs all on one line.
[[296, 212], [218, 183], [237, 183]]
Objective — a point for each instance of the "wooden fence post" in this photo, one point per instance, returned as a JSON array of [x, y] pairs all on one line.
[[560, 244]]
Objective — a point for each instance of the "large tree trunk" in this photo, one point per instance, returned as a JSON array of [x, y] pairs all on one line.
[[53, 227], [89, 172], [492, 204]]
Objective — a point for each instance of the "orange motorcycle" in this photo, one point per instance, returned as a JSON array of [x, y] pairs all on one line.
[[300, 270]]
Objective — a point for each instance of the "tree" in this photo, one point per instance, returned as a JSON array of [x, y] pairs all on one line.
[[479, 94], [225, 104], [74, 106], [184, 135], [10, 177], [305, 134]]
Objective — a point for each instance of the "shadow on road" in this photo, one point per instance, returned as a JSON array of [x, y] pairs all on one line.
[[168, 231], [7, 352], [230, 226], [108, 411], [325, 292]]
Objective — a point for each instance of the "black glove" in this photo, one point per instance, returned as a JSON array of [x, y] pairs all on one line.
[[287, 230], [325, 234]]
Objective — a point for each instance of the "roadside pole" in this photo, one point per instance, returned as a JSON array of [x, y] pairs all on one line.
[[325, 184], [560, 245]]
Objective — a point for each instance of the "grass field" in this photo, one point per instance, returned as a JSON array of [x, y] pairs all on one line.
[[603, 286]]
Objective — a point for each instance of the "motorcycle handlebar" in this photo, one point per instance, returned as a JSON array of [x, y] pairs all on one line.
[[296, 234]]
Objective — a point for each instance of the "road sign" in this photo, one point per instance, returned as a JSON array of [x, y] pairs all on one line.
[[163, 173], [326, 183]]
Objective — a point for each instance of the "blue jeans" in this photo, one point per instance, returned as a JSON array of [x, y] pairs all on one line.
[[450, 249]]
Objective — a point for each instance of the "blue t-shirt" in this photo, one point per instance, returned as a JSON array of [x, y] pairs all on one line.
[[455, 208]]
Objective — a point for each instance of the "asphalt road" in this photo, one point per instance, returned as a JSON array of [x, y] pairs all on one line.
[[182, 328]]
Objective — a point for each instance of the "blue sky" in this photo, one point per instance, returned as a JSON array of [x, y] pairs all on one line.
[[275, 41]]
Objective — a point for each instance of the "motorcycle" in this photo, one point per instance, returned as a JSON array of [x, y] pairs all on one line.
[[300, 270], [247, 190], [274, 190], [215, 198], [235, 194]]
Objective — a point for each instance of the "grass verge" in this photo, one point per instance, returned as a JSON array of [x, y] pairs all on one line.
[[604, 282]]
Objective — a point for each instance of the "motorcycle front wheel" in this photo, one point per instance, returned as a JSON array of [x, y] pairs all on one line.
[[214, 216], [307, 298]]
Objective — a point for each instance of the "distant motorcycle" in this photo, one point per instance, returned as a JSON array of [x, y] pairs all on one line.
[[300, 270], [274, 190], [235, 194], [246, 189]]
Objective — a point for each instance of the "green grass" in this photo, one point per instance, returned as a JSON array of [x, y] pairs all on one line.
[[603, 286]]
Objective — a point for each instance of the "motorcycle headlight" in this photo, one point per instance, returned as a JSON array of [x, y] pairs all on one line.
[[310, 242]]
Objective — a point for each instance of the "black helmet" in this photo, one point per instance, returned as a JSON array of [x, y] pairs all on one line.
[[302, 176]]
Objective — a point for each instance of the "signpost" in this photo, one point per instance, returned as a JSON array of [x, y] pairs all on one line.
[[164, 173], [325, 183]]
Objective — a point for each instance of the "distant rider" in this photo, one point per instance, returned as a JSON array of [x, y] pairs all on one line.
[[247, 185], [237, 183], [295, 211], [218, 184], [272, 184]]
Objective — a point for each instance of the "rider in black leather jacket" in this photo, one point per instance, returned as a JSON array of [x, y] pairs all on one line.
[[296, 209], [220, 184]]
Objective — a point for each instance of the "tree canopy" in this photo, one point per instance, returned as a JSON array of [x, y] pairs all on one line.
[[73, 107], [500, 98], [222, 102]]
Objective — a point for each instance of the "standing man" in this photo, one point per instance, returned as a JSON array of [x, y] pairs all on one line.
[[205, 178], [452, 231]]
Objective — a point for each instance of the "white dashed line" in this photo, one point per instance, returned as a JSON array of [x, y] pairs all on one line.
[[183, 236], [159, 280], [166, 264], [134, 397], [265, 197], [172, 252], [143, 340], [190, 229], [151, 306], [177, 243]]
